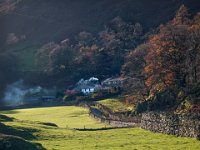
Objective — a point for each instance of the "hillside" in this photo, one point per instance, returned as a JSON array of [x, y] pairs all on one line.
[[43, 42], [95, 74], [51, 20]]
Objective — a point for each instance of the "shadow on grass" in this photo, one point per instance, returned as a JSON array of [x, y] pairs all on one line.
[[99, 129], [48, 124], [8, 130], [10, 112], [10, 142], [5, 118], [21, 132]]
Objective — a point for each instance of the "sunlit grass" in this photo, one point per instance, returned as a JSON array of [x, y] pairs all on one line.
[[116, 105], [70, 117], [70, 139]]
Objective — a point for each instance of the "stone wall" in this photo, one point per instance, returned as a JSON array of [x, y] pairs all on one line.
[[104, 114], [168, 123], [114, 121], [161, 122]]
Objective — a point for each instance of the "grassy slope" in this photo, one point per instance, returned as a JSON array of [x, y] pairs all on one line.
[[116, 139], [72, 117], [115, 105]]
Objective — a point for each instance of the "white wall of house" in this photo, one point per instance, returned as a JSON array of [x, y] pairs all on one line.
[[88, 90]]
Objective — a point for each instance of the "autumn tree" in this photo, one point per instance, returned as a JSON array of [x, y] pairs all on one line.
[[134, 61], [193, 43], [166, 59], [133, 70], [43, 56], [118, 38], [172, 59], [181, 17]]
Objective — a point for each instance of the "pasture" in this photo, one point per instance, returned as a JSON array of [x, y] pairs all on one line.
[[65, 137]]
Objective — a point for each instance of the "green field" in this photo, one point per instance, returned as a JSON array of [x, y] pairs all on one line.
[[115, 105], [66, 138], [70, 117]]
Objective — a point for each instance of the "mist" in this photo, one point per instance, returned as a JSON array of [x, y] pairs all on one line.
[[16, 93]]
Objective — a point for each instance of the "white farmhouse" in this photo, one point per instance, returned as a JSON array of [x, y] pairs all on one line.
[[88, 86], [87, 89]]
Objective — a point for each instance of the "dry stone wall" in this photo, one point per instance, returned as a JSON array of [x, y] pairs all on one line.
[[161, 122], [104, 114], [168, 123]]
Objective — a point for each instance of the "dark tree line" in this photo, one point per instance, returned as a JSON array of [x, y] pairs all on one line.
[[87, 55]]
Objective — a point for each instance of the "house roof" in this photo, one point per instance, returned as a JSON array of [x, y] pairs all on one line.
[[114, 79], [91, 83], [93, 79], [86, 87]]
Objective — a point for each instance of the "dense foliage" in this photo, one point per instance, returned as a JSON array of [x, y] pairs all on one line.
[[86, 55], [163, 61], [172, 63]]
